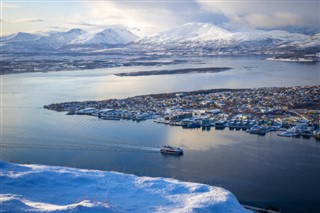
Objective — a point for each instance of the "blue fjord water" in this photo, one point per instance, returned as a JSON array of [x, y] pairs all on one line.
[[260, 171]]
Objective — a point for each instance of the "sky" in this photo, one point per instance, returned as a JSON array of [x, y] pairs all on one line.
[[152, 16]]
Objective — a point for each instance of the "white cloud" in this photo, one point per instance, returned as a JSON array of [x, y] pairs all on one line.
[[9, 6], [257, 20], [261, 13], [154, 15], [21, 20]]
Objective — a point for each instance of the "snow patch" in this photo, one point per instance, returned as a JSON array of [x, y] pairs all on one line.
[[36, 188]]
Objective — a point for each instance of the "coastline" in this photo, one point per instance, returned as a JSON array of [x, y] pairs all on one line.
[[294, 60], [293, 110], [175, 71]]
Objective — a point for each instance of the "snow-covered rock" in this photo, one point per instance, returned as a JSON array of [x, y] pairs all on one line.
[[36, 188]]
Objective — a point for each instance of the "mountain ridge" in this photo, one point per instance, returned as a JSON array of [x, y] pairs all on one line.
[[205, 37]]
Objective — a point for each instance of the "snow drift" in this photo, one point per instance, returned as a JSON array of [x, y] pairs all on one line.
[[36, 188]]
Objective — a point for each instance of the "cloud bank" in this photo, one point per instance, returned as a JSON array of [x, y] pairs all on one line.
[[156, 16]]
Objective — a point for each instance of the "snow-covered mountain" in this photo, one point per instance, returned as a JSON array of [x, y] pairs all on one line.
[[210, 37], [191, 32], [18, 37], [110, 36], [191, 38], [65, 41], [57, 40]]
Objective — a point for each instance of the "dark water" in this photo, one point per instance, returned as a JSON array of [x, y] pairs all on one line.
[[260, 171]]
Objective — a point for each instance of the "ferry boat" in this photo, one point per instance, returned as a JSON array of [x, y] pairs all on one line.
[[171, 150]]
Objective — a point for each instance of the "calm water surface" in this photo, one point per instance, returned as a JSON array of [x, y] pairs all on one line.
[[260, 171]]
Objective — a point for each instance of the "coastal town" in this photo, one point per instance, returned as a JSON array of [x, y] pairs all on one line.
[[291, 111]]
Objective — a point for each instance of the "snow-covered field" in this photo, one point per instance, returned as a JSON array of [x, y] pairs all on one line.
[[37, 188]]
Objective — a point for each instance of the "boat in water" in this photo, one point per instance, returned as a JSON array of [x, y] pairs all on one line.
[[171, 150], [288, 133]]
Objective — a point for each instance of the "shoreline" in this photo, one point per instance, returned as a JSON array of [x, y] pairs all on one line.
[[175, 71], [294, 60], [293, 110]]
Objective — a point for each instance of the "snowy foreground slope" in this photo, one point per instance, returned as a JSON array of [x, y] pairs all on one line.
[[36, 188]]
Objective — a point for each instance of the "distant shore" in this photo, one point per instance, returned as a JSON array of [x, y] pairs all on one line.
[[175, 71], [297, 60]]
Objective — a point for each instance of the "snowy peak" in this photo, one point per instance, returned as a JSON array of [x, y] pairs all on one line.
[[20, 37], [58, 39], [191, 38], [67, 39], [211, 38], [107, 36], [190, 32], [201, 30]]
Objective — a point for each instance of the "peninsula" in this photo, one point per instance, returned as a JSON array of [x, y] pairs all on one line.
[[295, 110]]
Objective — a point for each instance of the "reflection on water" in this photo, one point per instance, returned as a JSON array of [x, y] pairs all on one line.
[[260, 171], [198, 139]]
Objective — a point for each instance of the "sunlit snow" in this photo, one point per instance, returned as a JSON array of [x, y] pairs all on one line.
[[36, 188]]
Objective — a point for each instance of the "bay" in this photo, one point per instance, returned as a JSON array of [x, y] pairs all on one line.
[[260, 171]]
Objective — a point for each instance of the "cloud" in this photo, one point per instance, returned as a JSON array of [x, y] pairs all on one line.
[[163, 15], [261, 13], [85, 24], [257, 20], [21, 21], [9, 6], [152, 16], [158, 15]]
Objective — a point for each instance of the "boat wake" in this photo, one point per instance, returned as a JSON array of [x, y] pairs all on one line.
[[112, 146], [101, 148]]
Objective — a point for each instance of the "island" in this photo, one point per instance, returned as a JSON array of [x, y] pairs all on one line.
[[296, 58], [292, 110], [175, 71]]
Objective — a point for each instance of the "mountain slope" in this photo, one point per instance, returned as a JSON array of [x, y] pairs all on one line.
[[37, 188], [18, 37], [191, 39], [108, 36], [210, 37], [66, 41], [195, 32], [58, 39]]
